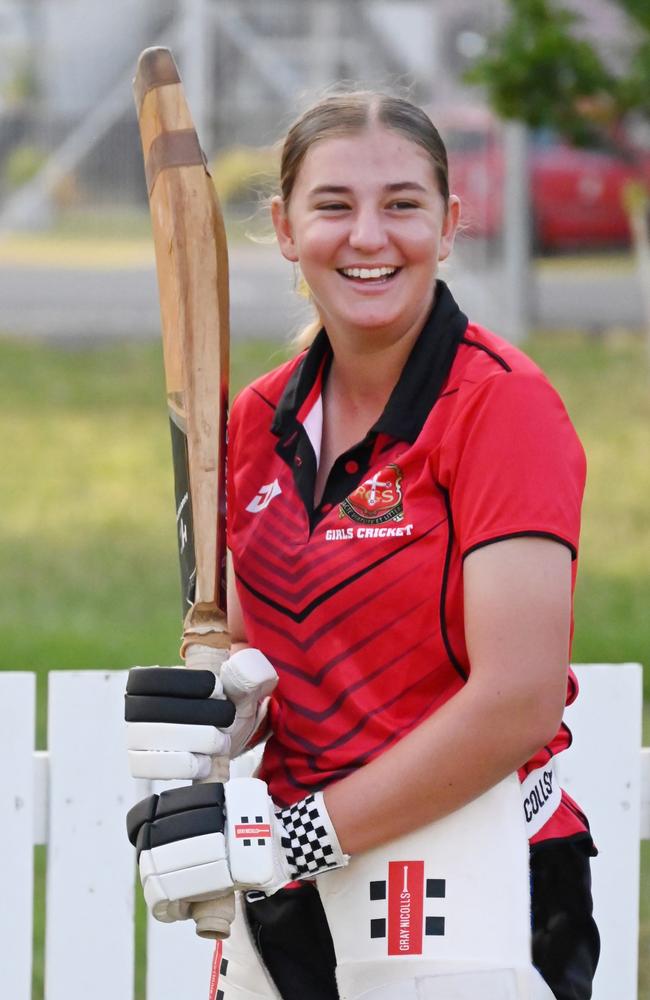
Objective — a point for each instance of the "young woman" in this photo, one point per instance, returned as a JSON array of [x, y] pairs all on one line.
[[404, 514]]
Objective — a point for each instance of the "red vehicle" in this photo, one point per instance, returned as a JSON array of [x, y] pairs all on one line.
[[576, 194]]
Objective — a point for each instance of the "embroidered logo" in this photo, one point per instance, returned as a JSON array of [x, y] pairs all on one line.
[[263, 498], [377, 500]]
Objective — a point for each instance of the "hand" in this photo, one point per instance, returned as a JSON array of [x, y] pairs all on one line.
[[178, 718], [205, 841]]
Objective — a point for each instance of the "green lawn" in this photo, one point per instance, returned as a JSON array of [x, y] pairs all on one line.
[[606, 387], [89, 562], [88, 530]]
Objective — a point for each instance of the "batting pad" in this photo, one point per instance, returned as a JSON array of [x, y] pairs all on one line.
[[463, 985], [238, 972], [446, 907]]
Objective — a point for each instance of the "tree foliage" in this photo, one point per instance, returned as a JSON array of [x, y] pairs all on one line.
[[635, 86], [541, 70]]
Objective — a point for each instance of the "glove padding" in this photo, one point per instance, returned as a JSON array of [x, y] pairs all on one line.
[[178, 718], [207, 840]]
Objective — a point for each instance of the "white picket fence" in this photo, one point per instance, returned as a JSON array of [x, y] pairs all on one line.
[[74, 796]]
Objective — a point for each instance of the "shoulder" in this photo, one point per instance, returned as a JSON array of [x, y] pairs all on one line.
[[509, 455], [489, 370], [482, 354], [495, 392]]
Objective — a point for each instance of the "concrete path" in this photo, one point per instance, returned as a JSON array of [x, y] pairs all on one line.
[[92, 295]]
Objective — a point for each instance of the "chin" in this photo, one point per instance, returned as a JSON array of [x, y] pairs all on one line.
[[380, 314]]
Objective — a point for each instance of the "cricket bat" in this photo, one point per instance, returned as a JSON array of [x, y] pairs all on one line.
[[192, 268]]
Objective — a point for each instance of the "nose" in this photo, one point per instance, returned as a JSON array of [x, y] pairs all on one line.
[[367, 232]]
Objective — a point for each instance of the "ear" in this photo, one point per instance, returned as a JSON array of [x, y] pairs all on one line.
[[449, 227], [282, 226]]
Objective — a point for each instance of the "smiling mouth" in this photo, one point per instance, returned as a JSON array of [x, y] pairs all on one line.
[[369, 274]]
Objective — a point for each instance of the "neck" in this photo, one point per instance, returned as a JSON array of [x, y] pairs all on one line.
[[365, 380], [367, 364]]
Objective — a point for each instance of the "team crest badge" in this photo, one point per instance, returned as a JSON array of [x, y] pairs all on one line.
[[377, 500]]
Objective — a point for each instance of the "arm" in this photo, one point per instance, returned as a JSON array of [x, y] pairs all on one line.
[[517, 621], [517, 613], [236, 625]]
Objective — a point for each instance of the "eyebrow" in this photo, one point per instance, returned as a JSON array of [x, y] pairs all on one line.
[[343, 189]]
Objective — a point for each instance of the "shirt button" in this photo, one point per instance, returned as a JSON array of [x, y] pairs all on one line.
[[297, 461], [351, 467]]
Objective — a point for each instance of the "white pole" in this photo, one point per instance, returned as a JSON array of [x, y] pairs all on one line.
[[195, 54], [324, 42], [516, 232], [638, 206]]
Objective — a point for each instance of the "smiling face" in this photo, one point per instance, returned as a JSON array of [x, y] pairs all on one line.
[[368, 226]]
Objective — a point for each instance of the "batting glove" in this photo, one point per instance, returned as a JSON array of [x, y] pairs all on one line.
[[205, 841], [178, 718]]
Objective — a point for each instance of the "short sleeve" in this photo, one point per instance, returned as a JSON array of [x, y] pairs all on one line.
[[513, 464]]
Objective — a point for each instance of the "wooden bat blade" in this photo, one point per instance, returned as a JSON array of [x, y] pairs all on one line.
[[192, 269]]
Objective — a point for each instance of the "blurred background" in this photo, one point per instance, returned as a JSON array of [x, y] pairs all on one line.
[[554, 255], [70, 162]]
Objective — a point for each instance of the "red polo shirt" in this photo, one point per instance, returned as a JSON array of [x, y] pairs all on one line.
[[359, 602]]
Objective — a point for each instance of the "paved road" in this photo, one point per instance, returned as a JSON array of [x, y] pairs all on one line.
[[72, 302]]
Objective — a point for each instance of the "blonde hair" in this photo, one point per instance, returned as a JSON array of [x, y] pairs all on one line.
[[342, 114]]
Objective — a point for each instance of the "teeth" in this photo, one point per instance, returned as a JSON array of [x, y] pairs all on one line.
[[368, 272]]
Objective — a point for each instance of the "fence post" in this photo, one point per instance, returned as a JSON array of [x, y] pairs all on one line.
[[17, 718], [89, 943], [602, 771], [178, 962]]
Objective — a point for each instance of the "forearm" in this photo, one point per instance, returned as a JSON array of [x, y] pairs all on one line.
[[236, 626], [466, 747]]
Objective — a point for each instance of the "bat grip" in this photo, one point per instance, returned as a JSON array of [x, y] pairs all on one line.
[[213, 917]]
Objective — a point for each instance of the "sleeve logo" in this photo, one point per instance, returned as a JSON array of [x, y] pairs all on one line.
[[263, 497], [377, 500]]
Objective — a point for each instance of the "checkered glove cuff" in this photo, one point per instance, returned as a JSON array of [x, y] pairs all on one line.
[[309, 840]]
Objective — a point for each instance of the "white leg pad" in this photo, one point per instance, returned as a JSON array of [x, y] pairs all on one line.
[[447, 902], [540, 990], [464, 986], [244, 976]]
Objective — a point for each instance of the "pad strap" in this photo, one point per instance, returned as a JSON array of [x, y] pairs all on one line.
[[541, 796]]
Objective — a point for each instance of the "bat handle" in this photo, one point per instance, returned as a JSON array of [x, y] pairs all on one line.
[[213, 917]]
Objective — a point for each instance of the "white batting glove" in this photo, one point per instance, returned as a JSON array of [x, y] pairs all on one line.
[[178, 718], [205, 841]]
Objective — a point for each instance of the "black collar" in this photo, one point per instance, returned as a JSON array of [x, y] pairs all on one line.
[[419, 384]]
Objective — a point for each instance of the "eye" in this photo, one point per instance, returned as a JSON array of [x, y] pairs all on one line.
[[403, 205], [332, 206]]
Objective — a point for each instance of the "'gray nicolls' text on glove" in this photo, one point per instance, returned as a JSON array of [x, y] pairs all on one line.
[[178, 718], [207, 840]]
